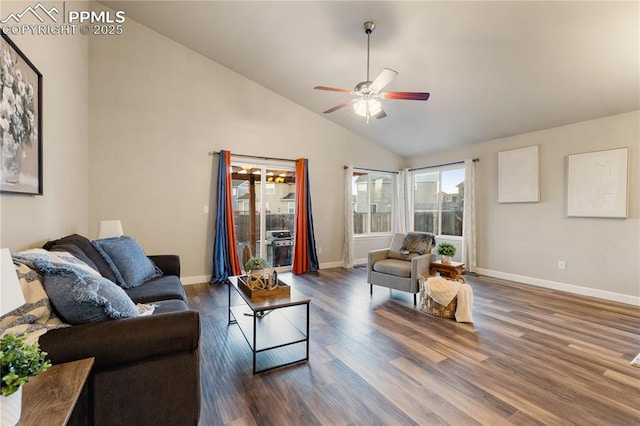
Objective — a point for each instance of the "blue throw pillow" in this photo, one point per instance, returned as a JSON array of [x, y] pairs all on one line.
[[80, 297], [127, 260]]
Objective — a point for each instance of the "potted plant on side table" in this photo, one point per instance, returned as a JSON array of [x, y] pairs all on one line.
[[19, 362], [446, 252]]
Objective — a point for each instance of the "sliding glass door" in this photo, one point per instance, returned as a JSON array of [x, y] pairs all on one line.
[[263, 198]]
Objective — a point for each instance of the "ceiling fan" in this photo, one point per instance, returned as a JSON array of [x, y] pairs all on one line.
[[366, 103]]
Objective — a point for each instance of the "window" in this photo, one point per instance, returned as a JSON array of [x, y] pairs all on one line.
[[270, 188], [439, 201], [372, 197]]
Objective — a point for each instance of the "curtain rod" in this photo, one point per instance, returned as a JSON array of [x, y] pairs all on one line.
[[373, 170], [475, 160], [256, 156]]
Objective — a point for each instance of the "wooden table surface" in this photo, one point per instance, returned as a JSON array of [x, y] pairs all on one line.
[[49, 398]]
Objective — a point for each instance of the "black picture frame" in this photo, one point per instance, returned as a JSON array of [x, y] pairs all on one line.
[[20, 122]]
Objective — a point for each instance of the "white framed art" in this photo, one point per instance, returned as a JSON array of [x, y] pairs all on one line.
[[519, 175], [598, 184]]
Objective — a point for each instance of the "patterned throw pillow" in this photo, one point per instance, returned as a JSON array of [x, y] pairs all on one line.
[[417, 242], [35, 316]]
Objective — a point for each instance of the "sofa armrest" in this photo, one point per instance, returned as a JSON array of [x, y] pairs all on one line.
[[169, 264], [124, 341]]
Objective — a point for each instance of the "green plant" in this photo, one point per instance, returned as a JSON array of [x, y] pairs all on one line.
[[446, 249], [255, 263], [20, 361]]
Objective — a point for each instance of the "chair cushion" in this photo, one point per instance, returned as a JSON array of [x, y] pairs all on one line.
[[400, 256], [167, 287], [398, 268]]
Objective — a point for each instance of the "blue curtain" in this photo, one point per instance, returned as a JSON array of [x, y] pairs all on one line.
[[225, 256]]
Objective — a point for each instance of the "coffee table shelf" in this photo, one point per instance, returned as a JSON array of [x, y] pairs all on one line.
[[274, 330]]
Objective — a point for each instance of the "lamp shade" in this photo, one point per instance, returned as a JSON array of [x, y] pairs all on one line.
[[11, 296], [110, 228]]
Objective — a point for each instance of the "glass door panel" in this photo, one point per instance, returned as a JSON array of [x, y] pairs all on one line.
[[279, 207], [246, 212]]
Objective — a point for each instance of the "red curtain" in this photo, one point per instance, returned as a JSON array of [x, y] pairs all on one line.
[[304, 246]]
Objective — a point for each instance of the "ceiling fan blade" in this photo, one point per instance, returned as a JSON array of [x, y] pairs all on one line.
[[411, 96], [342, 105], [381, 114], [383, 79], [334, 89]]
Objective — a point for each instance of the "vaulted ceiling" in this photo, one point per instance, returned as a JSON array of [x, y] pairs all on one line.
[[494, 69]]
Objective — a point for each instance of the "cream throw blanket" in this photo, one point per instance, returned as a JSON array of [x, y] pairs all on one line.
[[443, 291], [464, 309]]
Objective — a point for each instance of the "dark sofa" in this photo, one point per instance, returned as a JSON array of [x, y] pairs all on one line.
[[147, 368]]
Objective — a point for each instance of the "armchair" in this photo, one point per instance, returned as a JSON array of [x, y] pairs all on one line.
[[389, 268]]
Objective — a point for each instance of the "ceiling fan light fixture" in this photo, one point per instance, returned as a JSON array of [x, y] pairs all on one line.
[[366, 104], [367, 107]]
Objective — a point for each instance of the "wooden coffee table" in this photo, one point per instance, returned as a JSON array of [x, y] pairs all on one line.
[[453, 270], [265, 323]]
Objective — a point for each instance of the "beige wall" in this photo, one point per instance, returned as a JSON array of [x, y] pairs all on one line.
[[28, 221], [526, 241], [158, 109]]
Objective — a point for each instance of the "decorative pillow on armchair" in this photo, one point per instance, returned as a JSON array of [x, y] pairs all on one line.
[[127, 260], [417, 242]]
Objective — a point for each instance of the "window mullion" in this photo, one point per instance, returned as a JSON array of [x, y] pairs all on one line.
[[440, 203], [368, 204]]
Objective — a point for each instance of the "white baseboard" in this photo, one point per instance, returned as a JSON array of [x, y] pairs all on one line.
[[336, 264], [340, 264], [569, 288], [196, 280]]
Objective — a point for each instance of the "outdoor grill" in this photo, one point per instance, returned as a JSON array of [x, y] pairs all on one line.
[[279, 247]]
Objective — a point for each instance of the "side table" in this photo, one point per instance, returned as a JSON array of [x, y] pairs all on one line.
[[50, 397], [453, 270]]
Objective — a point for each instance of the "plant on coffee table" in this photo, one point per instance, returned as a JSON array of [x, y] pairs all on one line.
[[255, 264]]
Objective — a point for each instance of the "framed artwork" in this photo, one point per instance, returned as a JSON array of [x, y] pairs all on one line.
[[597, 184], [20, 122], [519, 175]]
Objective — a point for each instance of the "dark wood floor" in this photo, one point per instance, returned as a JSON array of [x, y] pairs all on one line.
[[532, 356]]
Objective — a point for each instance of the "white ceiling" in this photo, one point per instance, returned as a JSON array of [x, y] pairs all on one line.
[[493, 69]]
